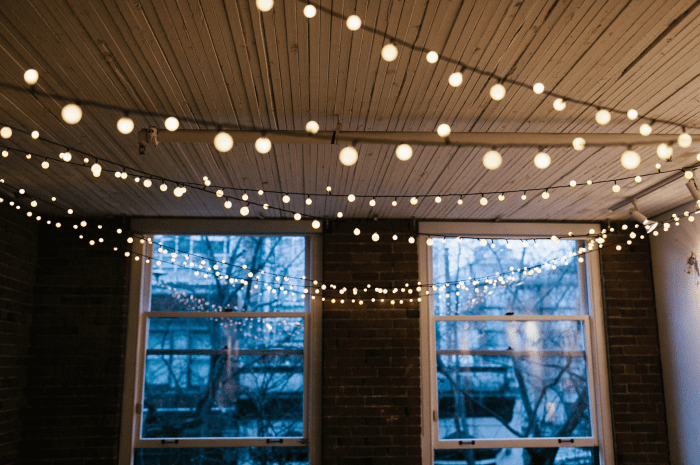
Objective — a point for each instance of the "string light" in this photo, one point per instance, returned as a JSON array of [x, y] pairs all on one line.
[[312, 127], [6, 132], [264, 5], [438, 199], [389, 52], [616, 187], [545, 194], [223, 141], [456, 79], [630, 159], [492, 160], [572, 183], [542, 160], [286, 198], [96, 169], [45, 164], [602, 117], [645, 129], [559, 104], [348, 155], [444, 130], [524, 196], [72, 113], [372, 202], [31, 76], [685, 140], [404, 152], [353, 22], [538, 88], [579, 143], [497, 92], [172, 123], [263, 145], [351, 198], [315, 224], [228, 204], [413, 201], [501, 197], [432, 57], [125, 125], [163, 187], [244, 210], [483, 201], [309, 11], [308, 200], [637, 179], [632, 114], [664, 151], [35, 134]]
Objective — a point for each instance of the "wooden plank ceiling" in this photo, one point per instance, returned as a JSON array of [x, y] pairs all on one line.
[[226, 62]]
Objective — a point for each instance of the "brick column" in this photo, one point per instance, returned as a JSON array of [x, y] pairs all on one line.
[[371, 352], [639, 416]]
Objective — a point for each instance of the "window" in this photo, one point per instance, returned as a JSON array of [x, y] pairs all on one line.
[[510, 347], [223, 367]]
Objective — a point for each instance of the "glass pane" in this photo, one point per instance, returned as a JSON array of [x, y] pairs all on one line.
[[530, 456], [231, 377], [535, 277], [512, 379], [223, 455], [228, 273]]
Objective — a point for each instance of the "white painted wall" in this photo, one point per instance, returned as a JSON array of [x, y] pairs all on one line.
[[677, 288]]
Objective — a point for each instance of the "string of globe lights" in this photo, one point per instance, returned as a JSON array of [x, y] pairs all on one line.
[[122, 171]]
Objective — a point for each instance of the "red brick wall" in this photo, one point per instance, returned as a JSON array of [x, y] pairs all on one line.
[[639, 416], [371, 354], [18, 239]]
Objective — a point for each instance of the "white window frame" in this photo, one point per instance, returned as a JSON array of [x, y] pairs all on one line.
[[139, 306], [601, 417]]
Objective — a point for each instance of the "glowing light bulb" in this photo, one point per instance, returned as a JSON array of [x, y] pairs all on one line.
[[223, 142], [630, 159], [542, 160], [31, 76], [147, 183], [685, 140], [404, 152], [632, 114], [375, 237], [45, 164], [356, 231], [351, 198], [125, 125], [438, 199], [124, 175], [483, 201], [432, 57], [163, 187], [172, 123], [492, 160], [35, 134], [637, 178], [559, 104], [315, 224], [616, 188], [264, 5], [664, 151], [297, 217], [309, 11], [456, 79], [96, 170], [308, 201], [394, 203], [413, 201], [348, 155], [117, 174], [339, 214], [538, 88], [353, 22], [28, 156], [460, 201], [645, 129], [5, 153], [545, 195], [497, 92], [602, 117], [312, 127], [523, 197], [261, 192], [411, 240], [390, 52], [688, 174], [6, 132], [372, 202], [429, 241], [177, 192], [244, 197], [71, 113], [219, 193], [244, 210], [228, 204], [263, 144], [285, 198], [572, 183], [501, 197], [579, 143], [444, 130]]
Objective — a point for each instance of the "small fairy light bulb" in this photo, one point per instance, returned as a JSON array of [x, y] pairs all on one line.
[[685, 140], [264, 5], [315, 224], [645, 129], [545, 195], [542, 160], [589, 182], [483, 201], [28, 156], [35, 134], [177, 192], [228, 204], [390, 52], [353, 22], [524, 196], [572, 183], [664, 151], [432, 57], [172, 123], [396, 238], [356, 231], [538, 88], [616, 187], [632, 114], [163, 187], [219, 193], [501, 197], [429, 241], [261, 192], [67, 156], [351, 198], [45, 164], [372, 202], [602, 116], [223, 142], [375, 237], [244, 197], [72, 113], [456, 79], [394, 203], [31, 76], [630, 159], [286, 199], [559, 104], [309, 11], [438, 199], [312, 127], [308, 201], [124, 175], [497, 91], [297, 217], [492, 160], [244, 210], [411, 240], [688, 175], [579, 143], [6, 132], [348, 155], [444, 130], [5, 154], [96, 170], [263, 144], [657, 166], [117, 174], [414, 201], [34, 203], [460, 201], [637, 179], [147, 183], [404, 152], [125, 125]]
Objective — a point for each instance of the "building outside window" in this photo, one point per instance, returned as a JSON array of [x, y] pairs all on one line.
[[224, 371], [512, 356]]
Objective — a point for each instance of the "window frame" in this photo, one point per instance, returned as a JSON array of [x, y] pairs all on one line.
[[137, 333], [599, 392]]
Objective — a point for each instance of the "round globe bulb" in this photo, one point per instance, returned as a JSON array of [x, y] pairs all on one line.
[[375, 237], [124, 175], [244, 210], [348, 156], [411, 240], [309, 201], [523, 197], [263, 145], [285, 198], [35, 134], [429, 241], [432, 57], [497, 92], [404, 152], [264, 5], [637, 178], [351, 198], [538, 88], [5, 153], [483, 201], [492, 160], [147, 183], [177, 192], [390, 52], [353, 22], [632, 114], [542, 160], [456, 79], [117, 174], [223, 142], [688, 174], [579, 143], [413, 201], [96, 170], [297, 217], [125, 125], [602, 117], [312, 127], [172, 123], [545, 195], [372, 203], [645, 129], [219, 193], [67, 156], [559, 104], [339, 214], [163, 187], [356, 231], [438, 199], [45, 164], [630, 159], [664, 151], [309, 11], [444, 130], [31, 76], [685, 140], [71, 113], [501, 197], [616, 188], [6, 132], [315, 224], [228, 204]]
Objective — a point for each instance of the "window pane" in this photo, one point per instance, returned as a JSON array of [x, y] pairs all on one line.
[[227, 455], [512, 379], [531, 456], [522, 277], [224, 377], [260, 274]]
